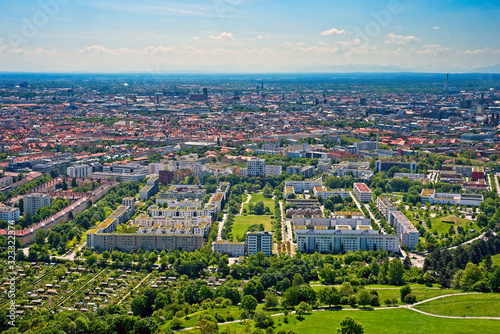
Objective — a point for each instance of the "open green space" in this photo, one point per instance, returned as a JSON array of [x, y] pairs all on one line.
[[480, 305], [242, 223], [397, 320], [268, 202], [442, 224], [390, 292]]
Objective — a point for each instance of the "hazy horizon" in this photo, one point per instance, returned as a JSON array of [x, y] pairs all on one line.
[[249, 36]]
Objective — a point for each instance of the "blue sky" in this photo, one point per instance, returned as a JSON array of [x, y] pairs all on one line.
[[249, 36]]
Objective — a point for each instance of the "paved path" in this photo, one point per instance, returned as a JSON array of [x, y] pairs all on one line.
[[138, 285], [249, 197], [80, 288], [221, 226], [411, 307]]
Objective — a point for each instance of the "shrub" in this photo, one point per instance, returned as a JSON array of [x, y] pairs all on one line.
[[410, 299]]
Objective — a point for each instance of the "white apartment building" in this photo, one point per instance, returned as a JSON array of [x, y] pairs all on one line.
[[433, 197], [273, 170], [324, 192], [261, 241], [256, 167], [343, 238], [362, 192], [300, 186], [9, 214], [385, 206], [407, 233], [80, 171], [231, 248], [352, 222], [33, 202]]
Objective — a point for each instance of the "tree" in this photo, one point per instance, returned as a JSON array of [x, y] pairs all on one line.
[[346, 289], [404, 291], [395, 272], [205, 293], [349, 325], [302, 309], [139, 305], [329, 296], [207, 327], [364, 297], [470, 275], [248, 303], [267, 191], [271, 300], [40, 237], [298, 279], [263, 320], [177, 323], [259, 208]]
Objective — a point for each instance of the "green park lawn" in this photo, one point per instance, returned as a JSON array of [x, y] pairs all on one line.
[[242, 223], [442, 224], [390, 321], [390, 292], [480, 305], [268, 202]]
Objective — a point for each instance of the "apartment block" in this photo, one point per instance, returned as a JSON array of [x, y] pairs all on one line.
[[433, 197], [261, 241], [385, 206], [80, 171], [405, 230], [362, 192], [9, 214], [227, 247], [256, 167], [273, 170], [343, 238], [33, 202]]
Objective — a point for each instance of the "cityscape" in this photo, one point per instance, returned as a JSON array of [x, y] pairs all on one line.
[[232, 185]]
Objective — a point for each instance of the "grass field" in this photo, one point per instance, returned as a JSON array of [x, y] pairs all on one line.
[[390, 292], [377, 322], [442, 224], [268, 202], [482, 305], [241, 224]]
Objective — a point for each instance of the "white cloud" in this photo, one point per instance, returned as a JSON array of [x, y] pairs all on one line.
[[260, 37], [400, 39], [436, 28], [223, 35], [102, 50], [159, 50], [482, 52], [333, 31], [433, 50]]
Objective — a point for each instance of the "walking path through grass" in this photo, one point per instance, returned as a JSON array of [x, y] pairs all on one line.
[[460, 305], [396, 309]]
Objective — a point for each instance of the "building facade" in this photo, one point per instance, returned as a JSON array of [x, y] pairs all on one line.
[[362, 192], [261, 241], [33, 202]]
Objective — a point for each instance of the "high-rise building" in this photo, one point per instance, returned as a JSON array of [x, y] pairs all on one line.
[[256, 167], [33, 202], [81, 171], [261, 241]]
